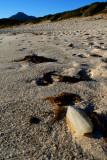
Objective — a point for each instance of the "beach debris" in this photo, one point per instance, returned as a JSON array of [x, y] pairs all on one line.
[[100, 123], [78, 121], [60, 113], [61, 101], [64, 99], [38, 33], [74, 54], [81, 76], [13, 34], [95, 55], [22, 49], [50, 77], [105, 60], [35, 59], [46, 79], [34, 120], [105, 140], [69, 79], [82, 56], [71, 45]]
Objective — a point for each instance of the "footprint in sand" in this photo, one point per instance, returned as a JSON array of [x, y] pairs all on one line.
[[24, 66], [69, 72], [99, 71], [99, 48], [10, 68], [96, 49]]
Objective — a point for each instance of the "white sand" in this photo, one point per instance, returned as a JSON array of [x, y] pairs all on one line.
[[21, 97]]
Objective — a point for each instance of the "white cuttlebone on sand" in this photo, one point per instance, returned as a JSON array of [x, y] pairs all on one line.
[[78, 121]]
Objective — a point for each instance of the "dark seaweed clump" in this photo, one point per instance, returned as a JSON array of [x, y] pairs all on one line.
[[64, 99], [35, 59], [100, 124], [95, 55], [49, 77], [46, 79], [83, 76], [60, 113], [68, 79], [60, 101]]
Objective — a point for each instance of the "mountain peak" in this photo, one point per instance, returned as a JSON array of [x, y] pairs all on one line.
[[21, 16], [20, 13]]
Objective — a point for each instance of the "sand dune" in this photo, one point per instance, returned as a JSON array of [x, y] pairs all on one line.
[[77, 48]]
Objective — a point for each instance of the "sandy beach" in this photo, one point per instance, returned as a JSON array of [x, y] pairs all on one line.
[[73, 46]]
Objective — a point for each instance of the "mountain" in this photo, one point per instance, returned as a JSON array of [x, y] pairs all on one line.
[[21, 16]]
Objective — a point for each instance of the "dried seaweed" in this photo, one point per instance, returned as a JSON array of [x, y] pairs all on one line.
[[83, 76], [68, 79], [100, 123], [60, 101], [60, 113], [13, 34], [49, 77], [64, 99], [37, 33], [35, 59], [105, 140], [46, 79], [95, 55]]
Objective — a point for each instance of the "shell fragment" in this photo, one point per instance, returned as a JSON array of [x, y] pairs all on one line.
[[78, 121]]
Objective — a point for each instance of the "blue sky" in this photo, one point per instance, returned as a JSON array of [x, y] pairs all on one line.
[[40, 8]]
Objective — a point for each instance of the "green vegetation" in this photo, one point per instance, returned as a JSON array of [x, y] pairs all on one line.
[[90, 10], [95, 8]]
